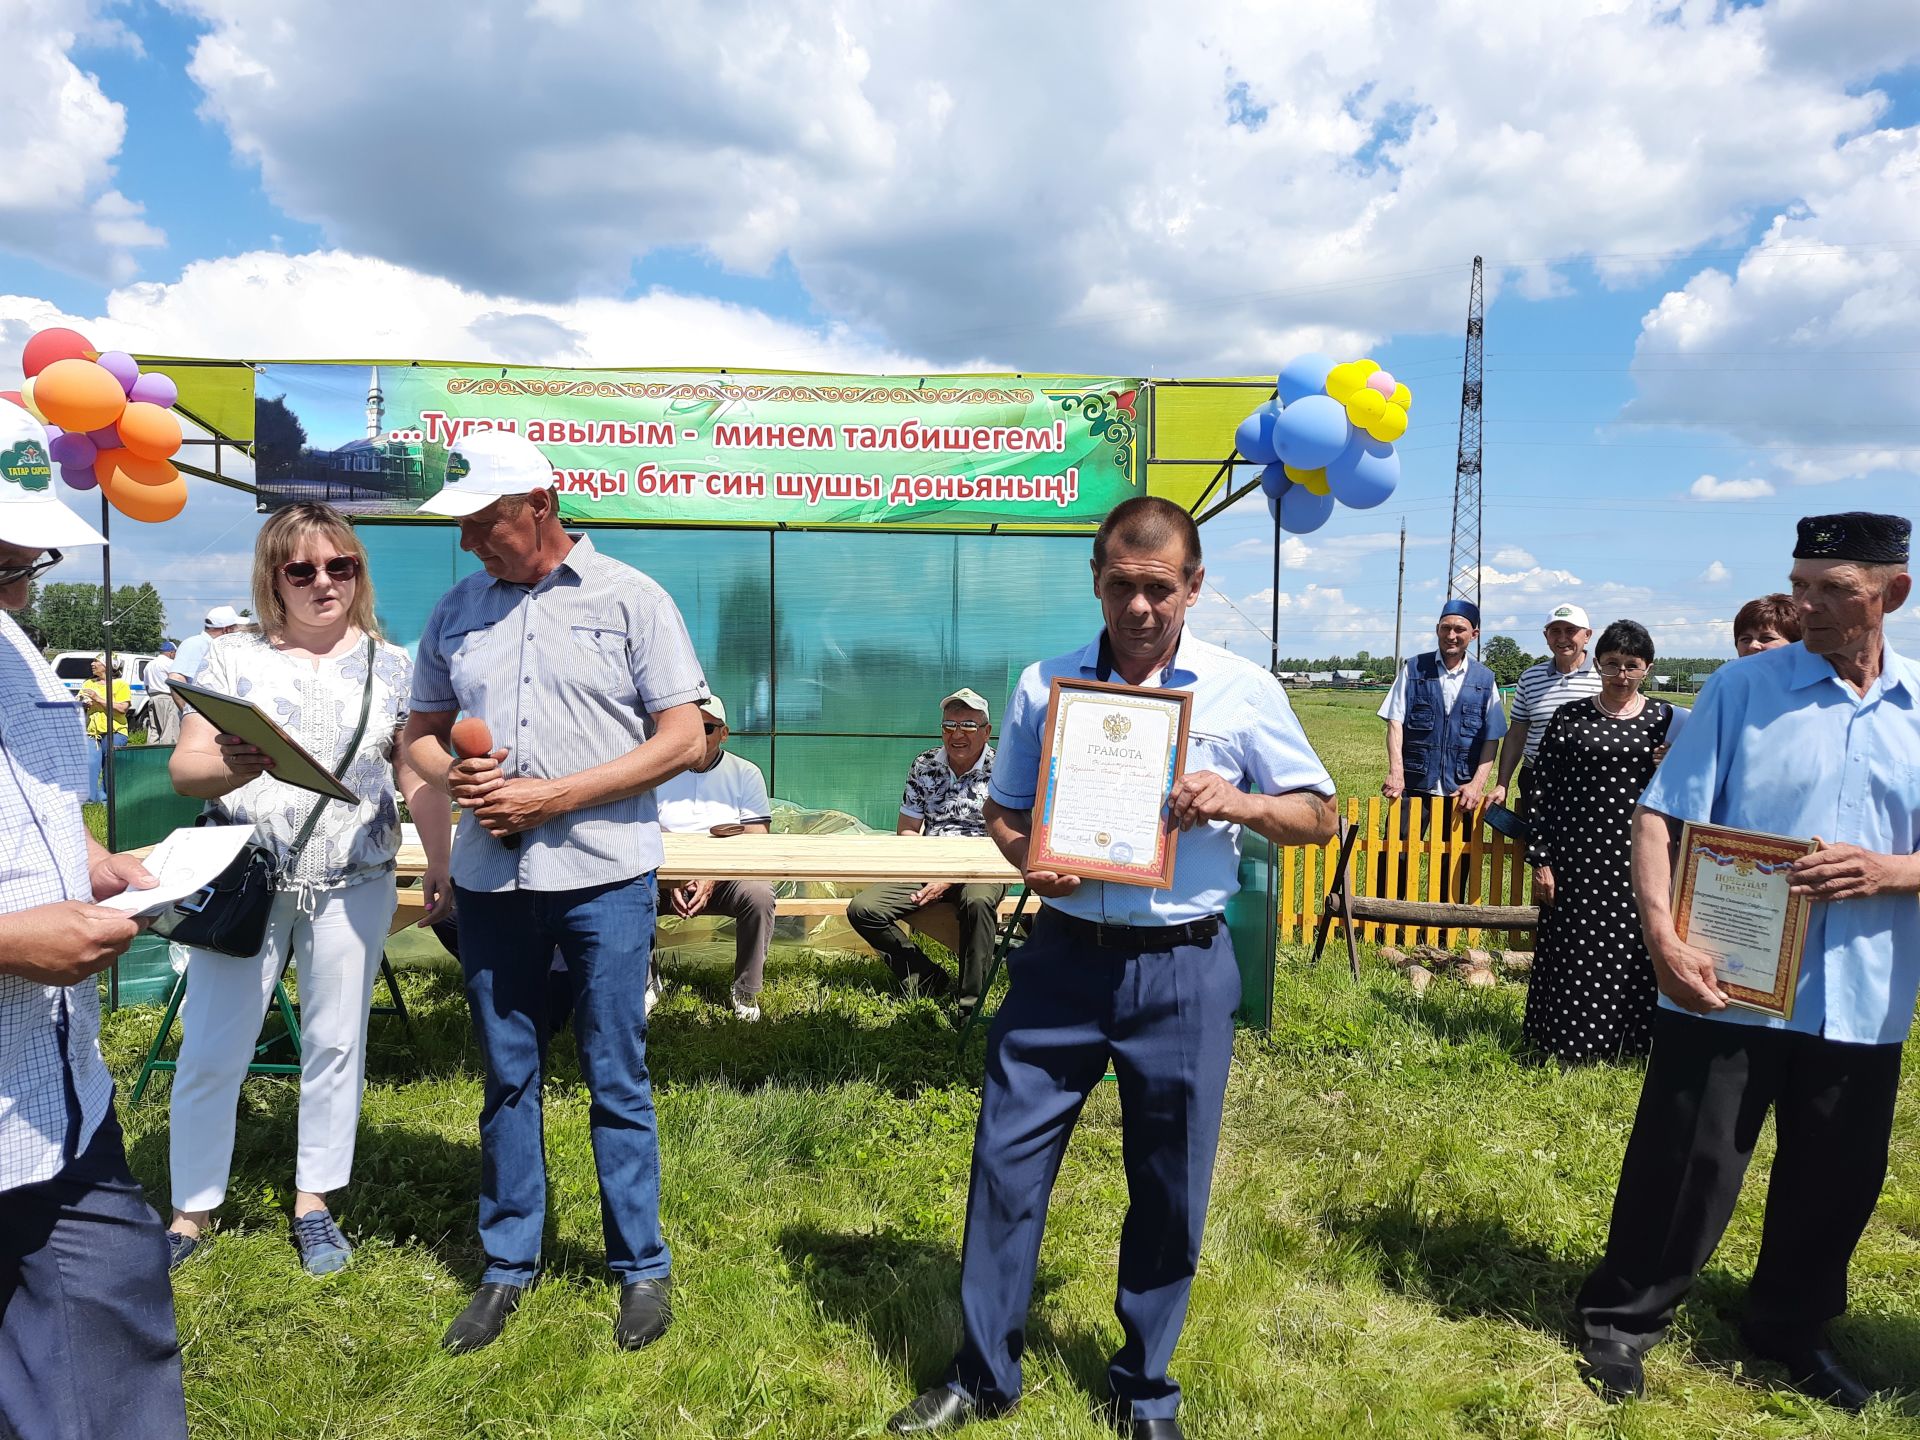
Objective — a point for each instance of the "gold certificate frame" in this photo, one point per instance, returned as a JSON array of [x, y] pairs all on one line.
[[1731, 900], [1111, 756]]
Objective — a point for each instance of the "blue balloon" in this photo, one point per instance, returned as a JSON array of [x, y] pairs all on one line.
[[1254, 438], [1303, 512], [1274, 480], [1302, 376], [1311, 431], [1365, 473]]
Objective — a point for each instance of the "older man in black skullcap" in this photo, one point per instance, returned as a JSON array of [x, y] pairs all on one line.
[[1818, 739]]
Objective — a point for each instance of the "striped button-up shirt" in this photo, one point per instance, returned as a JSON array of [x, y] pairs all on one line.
[[49, 1034], [568, 674]]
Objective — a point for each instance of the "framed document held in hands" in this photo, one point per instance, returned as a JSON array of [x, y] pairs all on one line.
[[1730, 899], [1109, 760]]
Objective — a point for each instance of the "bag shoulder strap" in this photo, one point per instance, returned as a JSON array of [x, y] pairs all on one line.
[[353, 749]]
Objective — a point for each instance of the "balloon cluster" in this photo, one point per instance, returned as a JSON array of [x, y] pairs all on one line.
[[1327, 436], [108, 425]]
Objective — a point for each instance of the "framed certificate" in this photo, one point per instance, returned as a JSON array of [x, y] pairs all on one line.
[[1110, 757], [1730, 899], [292, 765]]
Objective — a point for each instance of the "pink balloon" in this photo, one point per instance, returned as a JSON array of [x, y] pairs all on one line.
[[80, 477], [1383, 382], [158, 389], [122, 366], [75, 450]]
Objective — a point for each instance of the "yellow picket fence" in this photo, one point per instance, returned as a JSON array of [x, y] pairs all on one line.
[[1486, 868]]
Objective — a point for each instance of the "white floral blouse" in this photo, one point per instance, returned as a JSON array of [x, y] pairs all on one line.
[[319, 706]]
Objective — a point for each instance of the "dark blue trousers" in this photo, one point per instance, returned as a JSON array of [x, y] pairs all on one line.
[[88, 1349], [507, 940], [1165, 1020]]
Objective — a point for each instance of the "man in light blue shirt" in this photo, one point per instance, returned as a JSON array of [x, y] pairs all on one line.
[[1819, 739], [1142, 977]]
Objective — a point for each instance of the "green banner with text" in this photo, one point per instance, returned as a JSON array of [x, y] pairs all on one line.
[[711, 449]]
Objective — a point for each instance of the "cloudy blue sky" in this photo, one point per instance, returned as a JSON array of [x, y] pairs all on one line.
[[1701, 223]]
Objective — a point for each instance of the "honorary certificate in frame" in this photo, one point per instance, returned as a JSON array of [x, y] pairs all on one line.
[[1111, 756], [1731, 900]]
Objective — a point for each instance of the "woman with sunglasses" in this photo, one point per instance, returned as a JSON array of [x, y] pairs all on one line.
[[316, 662], [1591, 995]]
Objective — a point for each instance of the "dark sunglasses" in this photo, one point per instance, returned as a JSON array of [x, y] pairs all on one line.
[[713, 726], [13, 574], [302, 573]]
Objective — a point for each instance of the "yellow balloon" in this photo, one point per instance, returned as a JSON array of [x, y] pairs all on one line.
[[1344, 380], [1403, 397], [1367, 367], [1315, 481], [1391, 425], [27, 401], [1365, 407]]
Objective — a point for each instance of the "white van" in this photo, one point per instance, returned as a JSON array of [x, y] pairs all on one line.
[[75, 668]]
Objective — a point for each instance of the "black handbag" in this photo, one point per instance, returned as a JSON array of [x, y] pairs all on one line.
[[229, 915]]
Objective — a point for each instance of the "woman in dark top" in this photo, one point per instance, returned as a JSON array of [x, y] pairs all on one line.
[[1592, 991]]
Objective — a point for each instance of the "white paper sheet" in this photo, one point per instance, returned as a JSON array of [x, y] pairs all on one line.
[[183, 863]]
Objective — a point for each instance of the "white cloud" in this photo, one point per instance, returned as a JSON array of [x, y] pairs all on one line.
[[60, 135], [1715, 574], [1288, 177], [1534, 580], [1709, 487], [1803, 348], [1514, 558]]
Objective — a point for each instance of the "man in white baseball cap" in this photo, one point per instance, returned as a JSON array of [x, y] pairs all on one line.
[[484, 466], [81, 1249], [221, 620], [1566, 674]]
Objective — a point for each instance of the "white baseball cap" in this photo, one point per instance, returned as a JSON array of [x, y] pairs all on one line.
[[1569, 615], [972, 699], [712, 708], [485, 465], [223, 617], [31, 514]]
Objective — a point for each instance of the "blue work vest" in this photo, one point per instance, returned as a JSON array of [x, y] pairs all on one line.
[[1436, 744]]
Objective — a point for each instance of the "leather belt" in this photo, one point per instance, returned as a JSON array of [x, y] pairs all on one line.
[[1140, 937]]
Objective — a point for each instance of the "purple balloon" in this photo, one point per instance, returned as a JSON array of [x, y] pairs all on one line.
[[122, 366], [80, 477], [75, 450], [155, 389], [105, 438]]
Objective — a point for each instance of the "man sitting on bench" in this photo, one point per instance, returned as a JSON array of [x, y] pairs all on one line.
[[946, 794]]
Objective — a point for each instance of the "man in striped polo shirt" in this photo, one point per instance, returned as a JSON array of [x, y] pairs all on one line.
[[1566, 674]]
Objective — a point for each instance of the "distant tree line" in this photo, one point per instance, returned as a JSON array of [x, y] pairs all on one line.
[[67, 617], [1503, 656]]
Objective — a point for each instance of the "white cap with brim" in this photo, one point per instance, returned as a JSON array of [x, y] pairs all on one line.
[[712, 708], [972, 699], [1569, 615], [223, 617], [484, 466], [31, 514]]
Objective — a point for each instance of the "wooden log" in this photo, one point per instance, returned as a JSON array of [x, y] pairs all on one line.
[[1442, 913]]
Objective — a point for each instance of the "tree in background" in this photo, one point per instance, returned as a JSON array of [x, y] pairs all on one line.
[[1503, 655], [278, 439], [67, 617]]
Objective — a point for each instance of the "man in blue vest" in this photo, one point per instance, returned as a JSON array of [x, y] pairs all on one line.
[[1444, 724]]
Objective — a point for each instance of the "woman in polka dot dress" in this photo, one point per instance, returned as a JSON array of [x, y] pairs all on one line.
[[1592, 993]]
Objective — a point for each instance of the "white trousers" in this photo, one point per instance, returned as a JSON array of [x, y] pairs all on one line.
[[336, 953]]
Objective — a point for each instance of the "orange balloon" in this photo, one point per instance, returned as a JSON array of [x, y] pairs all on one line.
[[149, 431], [78, 395], [131, 469], [147, 503]]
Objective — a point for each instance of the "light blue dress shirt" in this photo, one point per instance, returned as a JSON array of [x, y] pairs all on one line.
[[1241, 728], [1778, 742]]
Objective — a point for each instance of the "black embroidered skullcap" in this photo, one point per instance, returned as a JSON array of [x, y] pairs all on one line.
[[1856, 535]]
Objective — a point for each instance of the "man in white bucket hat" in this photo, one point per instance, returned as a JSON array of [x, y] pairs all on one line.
[[86, 1314]]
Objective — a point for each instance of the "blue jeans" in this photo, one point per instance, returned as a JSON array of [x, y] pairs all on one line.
[[99, 793], [507, 940]]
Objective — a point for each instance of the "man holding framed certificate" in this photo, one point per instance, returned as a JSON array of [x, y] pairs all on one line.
[[1154, 743], [1788, 807]]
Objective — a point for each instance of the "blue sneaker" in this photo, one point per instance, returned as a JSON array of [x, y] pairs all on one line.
[[182, 1248], [323, 1249]]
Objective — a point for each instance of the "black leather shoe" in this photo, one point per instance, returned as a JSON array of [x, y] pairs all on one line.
[[1815, 1371], [1163, 1428], [481, 1322], [645, 1313], [933, 1411], [1613, 1370]]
